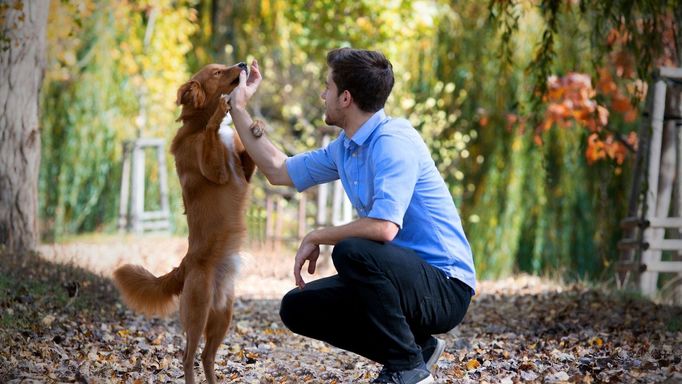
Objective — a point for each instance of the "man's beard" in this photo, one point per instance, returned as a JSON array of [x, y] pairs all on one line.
[[337, 122]]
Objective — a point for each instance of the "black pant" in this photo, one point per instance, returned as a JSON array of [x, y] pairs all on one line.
[[384, 304]]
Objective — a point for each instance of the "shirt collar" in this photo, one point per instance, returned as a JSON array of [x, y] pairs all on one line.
[[366, 129]]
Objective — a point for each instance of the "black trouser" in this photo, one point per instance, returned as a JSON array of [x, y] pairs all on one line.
[[384, 304]]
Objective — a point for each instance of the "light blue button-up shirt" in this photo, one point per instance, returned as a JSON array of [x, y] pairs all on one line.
[[388, 173]]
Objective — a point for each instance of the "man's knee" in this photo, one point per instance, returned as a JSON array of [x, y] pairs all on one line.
[[350, 247], [292, 310]]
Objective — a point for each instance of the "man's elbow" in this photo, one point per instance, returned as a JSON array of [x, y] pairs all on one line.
[[277, 173], [389, 231]]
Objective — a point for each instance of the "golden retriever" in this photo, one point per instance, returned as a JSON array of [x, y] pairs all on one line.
[[214, 175]]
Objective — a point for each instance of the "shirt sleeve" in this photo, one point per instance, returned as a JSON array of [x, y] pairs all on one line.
[[313, 167], [396, 168]]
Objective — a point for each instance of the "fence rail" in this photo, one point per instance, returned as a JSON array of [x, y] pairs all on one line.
[[278, 221]]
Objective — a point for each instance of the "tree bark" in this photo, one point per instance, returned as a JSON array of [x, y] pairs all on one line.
[[22, 65]]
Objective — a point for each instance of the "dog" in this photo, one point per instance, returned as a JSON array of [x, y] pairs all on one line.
[[214, 171]]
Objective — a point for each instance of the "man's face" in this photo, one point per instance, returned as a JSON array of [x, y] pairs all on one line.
[[332, 111]]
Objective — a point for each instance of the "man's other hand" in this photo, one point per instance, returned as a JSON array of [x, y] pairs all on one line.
[[309, 251]]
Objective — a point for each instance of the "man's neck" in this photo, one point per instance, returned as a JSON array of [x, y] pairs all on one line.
[[354, 121]]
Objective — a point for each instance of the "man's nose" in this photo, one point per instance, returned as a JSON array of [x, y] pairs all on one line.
[[242, 66]]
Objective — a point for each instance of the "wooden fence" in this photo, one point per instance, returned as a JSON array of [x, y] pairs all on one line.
[[278, 221]]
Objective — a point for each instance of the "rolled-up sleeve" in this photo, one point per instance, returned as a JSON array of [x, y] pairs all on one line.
[[313, 167], [395, 168]]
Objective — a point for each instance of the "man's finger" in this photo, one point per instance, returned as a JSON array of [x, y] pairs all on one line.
[[299, 280], [242, 78], [311, 266], [254, 78], [297, 267]]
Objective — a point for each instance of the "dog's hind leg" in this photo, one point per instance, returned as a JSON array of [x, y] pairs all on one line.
[[195, 303], [216, 328]]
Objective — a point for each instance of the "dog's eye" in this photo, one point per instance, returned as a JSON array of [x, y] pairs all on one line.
[[217, 72]]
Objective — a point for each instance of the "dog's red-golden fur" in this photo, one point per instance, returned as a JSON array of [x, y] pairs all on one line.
[[214, 176]]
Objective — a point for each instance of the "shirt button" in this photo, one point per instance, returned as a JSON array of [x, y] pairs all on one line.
[[354, 154], [355, 183]]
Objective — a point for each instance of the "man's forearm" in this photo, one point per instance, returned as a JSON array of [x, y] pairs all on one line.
[[364, 227], [269, 159]]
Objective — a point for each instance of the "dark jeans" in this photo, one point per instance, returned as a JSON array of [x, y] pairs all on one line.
[[384, 304]]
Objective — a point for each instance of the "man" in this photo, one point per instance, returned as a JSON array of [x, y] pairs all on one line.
[[405, 269]]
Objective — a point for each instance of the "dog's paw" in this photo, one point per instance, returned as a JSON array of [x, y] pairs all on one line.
[[224, 103]]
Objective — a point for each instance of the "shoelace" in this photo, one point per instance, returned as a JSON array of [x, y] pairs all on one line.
[[396, 378]]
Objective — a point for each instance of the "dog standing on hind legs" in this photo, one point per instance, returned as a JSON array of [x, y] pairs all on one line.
[[214, 171]]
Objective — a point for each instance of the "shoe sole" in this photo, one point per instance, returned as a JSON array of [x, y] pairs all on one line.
[[440, 347]]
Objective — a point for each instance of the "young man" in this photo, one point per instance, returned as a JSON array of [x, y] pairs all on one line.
[[405, 269]]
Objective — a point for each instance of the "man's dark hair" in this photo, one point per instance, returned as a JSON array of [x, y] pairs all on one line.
[[367, 75]]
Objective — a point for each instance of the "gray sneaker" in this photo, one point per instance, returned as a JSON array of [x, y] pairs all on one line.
[[417, 375], [431, 352]]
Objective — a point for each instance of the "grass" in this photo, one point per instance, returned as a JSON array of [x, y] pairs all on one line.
[[32, 288], [674, 324]]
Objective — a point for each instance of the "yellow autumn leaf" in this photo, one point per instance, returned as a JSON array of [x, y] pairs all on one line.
[[473, 364]]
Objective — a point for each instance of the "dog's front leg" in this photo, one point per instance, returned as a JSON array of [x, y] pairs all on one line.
[[248, 166], [213, 155]]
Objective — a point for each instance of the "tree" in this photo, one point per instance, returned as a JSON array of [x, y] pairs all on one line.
[[22, 63]]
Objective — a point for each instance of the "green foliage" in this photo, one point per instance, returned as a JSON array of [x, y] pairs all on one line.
[[105, 85]]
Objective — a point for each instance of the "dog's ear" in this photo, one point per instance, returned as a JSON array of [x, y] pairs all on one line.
[[191, 93]]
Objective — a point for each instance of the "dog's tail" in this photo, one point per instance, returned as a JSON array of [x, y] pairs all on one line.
[[146, 293]]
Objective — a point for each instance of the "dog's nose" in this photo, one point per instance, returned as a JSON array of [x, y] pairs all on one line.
[[242, 66]]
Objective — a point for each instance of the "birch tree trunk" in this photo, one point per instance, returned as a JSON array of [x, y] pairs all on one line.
[[22, 64]]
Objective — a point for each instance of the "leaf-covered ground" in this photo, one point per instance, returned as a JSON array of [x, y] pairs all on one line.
[[65, 324]]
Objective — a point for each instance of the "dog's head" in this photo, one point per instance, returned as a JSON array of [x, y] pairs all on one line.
[[208, 84]]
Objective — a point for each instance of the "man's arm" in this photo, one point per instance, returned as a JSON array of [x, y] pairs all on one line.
[[364, 227], [269, 159]]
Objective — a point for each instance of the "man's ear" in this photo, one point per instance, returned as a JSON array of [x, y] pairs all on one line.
[[191, 93], [346, 98]]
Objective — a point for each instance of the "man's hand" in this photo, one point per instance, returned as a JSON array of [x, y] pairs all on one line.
[[241, 95], [309, 250]]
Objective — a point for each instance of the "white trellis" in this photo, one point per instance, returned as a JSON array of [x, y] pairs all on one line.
[[654, 221], [132, 215]]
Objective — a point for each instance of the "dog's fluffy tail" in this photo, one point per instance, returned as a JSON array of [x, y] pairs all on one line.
[[146, 293]]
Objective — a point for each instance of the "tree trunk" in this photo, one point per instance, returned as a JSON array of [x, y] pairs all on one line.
[[22, 65]]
